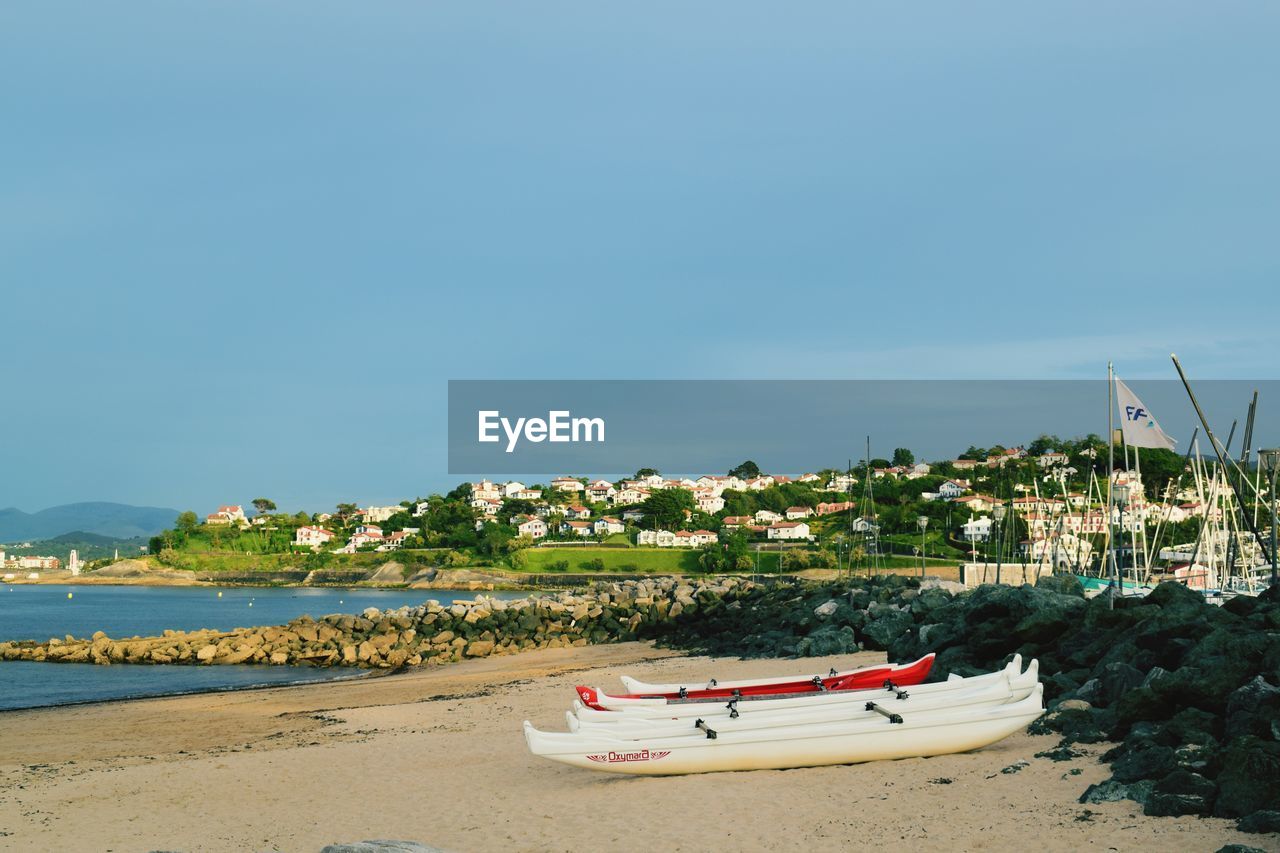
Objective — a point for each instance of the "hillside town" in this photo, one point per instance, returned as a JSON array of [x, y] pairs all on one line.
[[1039, 500]]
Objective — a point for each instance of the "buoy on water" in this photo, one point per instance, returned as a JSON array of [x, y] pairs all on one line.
[[68, 595], [219, 593]]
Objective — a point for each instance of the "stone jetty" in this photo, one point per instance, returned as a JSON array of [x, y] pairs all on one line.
[[431, 633]]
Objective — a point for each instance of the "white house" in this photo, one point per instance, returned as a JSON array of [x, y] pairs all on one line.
[[528, 495], [378, 514], [605, 526], [767, 516], [488, 506], [229, 514], [632, 514], [789, 530], [580, 528], [600, 491], [841, 483], [709, 502], [531, 526], [733, 522], [976, 529], [951, 489], [511, 487], [486, 489], [577, 512], [1052, 458], [567, 484], [628, 495], [976, 503], [660, 538], [311, 537], [795, 513]]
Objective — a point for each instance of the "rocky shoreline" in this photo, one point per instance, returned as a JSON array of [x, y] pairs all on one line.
[[1189, 692], [432, 633]]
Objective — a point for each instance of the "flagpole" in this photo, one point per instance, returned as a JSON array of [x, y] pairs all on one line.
[[1111, 472]]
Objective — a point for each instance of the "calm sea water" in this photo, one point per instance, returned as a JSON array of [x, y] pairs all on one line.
[[41, 612]]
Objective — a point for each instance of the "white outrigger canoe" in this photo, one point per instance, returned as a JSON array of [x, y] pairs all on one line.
[[1007, 689], [886, 735], [907, 673], [669, 708]]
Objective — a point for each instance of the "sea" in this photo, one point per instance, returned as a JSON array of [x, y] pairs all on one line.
[[39, 612]]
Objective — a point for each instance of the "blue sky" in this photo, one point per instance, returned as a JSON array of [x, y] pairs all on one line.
[[243, 246]]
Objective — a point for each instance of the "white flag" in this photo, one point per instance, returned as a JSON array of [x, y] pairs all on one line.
[[1136, 423]]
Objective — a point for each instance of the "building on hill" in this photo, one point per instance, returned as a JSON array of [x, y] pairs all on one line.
[[733, 522], [228, 514], [709, 502], [767, 516], [530, 525], [607, 525], [834, 507], [567, 484], [378, 514], [577, 512], [312, 537], [578, 528], [788, 530], [795, 513], [658, 538]]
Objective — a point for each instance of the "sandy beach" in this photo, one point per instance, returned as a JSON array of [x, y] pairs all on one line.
[[437, 756]]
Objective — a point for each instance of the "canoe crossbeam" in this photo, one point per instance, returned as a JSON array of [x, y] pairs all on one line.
[[884, 712], [702, 724], [733, 708]]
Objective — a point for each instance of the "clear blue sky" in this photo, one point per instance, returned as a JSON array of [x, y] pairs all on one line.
[[244, 245]]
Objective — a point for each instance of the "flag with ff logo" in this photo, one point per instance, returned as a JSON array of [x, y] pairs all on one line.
[[1139, 428]]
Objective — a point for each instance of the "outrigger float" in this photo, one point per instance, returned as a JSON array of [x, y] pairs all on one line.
[[809, 728]]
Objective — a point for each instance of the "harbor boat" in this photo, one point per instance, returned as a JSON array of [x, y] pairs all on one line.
[[833, 680], [904, 702], [619, 709], [872, 676], [886, 734]]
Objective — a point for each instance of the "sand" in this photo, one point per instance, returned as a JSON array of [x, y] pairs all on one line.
[[437, 756]]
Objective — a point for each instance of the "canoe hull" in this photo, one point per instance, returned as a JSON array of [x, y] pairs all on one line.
[[805, 746]]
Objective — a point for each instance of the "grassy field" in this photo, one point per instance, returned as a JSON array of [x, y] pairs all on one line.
[[634, 560]]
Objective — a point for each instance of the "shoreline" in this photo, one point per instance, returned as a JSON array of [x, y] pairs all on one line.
[[415, 757]]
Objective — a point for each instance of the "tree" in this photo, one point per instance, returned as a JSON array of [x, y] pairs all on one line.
[[903, 456], [645, 472], [666, 507], [345, 511], [747, 470], [264, 505], [187, 521]]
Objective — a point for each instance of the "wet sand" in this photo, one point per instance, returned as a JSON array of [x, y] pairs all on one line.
[[437, 756]]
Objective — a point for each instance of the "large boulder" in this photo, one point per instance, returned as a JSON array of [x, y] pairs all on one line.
[[1250, 777], [1253, 709], [1180, 793]]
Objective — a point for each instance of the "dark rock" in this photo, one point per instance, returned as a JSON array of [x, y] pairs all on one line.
[[881, 632], [1239, 848], [1263, 820], [1112, 791], [1116, 680], [1181, 792], [828, 640], [1150, 763], [1252, 709], [1250, 777], [1061, 584]]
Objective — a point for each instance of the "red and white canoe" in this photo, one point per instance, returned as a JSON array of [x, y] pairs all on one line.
[[854, 679]]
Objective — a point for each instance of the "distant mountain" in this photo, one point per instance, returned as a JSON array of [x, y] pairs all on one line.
[[90, 546], [119, 521]]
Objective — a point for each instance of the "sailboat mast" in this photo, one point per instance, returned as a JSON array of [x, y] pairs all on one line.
[[1111, 475]]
